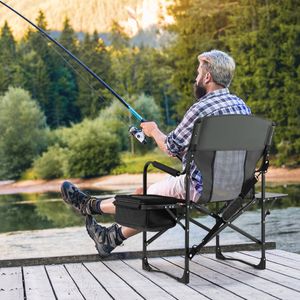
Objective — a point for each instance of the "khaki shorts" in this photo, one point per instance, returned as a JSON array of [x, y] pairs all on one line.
[[173, 187]]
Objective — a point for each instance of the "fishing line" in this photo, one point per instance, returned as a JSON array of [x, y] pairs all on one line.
[[70, 65]]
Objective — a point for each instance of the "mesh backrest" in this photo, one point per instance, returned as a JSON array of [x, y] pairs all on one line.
[[226, 150], [228, 174]]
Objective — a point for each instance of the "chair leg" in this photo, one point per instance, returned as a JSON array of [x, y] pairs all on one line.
[[219, 254], [186, 273], [262, 264], [145, 263]]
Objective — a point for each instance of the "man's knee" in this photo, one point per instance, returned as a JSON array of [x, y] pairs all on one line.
[[139, 191]]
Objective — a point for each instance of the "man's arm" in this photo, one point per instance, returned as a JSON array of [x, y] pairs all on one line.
[[151, 130]]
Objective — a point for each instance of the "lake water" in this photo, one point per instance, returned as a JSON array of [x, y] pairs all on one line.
[[40, 211]]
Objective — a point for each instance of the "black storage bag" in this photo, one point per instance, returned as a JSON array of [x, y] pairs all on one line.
[[140, 212]]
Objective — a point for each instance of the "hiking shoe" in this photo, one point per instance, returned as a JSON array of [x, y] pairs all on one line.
[[106, 238], [75, 197]]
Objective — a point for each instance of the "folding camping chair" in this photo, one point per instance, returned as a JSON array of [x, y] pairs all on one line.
[[226, 149]]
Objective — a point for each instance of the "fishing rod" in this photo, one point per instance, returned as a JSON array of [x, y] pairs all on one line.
[[137, 133]]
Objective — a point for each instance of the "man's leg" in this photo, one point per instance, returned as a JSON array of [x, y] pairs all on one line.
[[105, 238], [174, 187], [106, 206]]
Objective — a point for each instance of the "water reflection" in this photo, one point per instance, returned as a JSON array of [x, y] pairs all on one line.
[[38, 211], [47, 210]]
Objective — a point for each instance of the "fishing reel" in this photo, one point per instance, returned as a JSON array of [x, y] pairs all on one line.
[[138, 134]]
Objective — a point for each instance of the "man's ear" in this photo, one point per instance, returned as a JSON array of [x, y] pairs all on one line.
[[207, 78]]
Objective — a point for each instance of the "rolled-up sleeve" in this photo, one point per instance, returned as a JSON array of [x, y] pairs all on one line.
[[178, 140]]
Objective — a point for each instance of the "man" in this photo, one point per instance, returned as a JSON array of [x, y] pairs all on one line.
[[215, 73]]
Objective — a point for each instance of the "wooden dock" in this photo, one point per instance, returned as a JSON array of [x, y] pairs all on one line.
[[125, 279]]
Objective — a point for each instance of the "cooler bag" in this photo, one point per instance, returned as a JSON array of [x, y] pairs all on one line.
[[146, 212]]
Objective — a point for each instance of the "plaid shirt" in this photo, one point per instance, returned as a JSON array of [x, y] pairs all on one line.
[[219, 102]]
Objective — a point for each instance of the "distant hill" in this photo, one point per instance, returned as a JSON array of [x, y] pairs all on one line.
[[86, 16]]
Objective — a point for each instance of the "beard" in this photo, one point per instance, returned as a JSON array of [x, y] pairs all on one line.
[[199, 90]]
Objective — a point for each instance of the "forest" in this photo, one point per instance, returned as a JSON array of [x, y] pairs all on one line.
[[57, 121]]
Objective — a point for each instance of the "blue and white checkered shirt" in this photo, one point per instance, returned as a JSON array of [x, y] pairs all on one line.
[[219, 102]]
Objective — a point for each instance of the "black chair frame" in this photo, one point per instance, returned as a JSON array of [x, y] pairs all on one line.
[[224, 217]]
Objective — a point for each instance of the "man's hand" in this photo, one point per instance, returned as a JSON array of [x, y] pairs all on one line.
[[149, 128]]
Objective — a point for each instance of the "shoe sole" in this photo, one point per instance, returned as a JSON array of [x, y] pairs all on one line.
[[66, 199], [92, 236], [64, 196]]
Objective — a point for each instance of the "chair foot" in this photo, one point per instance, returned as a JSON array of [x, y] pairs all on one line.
[[262, 264], [185, 277], [146, 265], [219, 254]]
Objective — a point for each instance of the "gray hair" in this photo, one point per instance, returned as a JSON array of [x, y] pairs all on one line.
[[220, 65]]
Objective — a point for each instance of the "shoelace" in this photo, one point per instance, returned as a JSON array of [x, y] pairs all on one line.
[[77, 195]]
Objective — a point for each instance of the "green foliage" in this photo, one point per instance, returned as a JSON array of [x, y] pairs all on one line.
[[7, 57], [134, 164], [32, 69], [118, 120], [92, 94], [145, 71], [23, 132], [264, 39], [199, 26], [52, 163], [266, 45], [262, 36], [93, 150], [87, 149], [118, 37]]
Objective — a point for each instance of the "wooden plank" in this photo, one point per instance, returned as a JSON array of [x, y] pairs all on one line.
[[37, 285], [138, 282], [86, 283], [280, 260], [11, 286], [273, 266], [235, 285], [275, 284], [178, 290], [117, 287], [198, 282], [62, 283], [48, 260], [282, 253]]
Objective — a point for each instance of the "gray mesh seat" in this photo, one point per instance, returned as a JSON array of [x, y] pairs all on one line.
[[226, 149]]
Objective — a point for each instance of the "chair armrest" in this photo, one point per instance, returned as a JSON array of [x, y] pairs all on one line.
[[271, 196], [159, 166], [165, 168]]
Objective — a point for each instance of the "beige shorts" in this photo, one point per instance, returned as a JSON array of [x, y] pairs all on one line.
[[173, 187]]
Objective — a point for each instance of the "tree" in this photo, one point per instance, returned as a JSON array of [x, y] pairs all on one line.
[[118, 37], [8, 58], [68, 37], [33, 77], [93, 96], [266, 45], [154, 73], [199, 26], [23, 132], [52, 81], [118, 119], [36, 64]]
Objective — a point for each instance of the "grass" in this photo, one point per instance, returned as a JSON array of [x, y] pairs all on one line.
[[130, 164], [134, 163], [29, 174]]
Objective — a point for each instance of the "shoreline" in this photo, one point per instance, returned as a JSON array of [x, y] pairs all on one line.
[[124, 182]]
